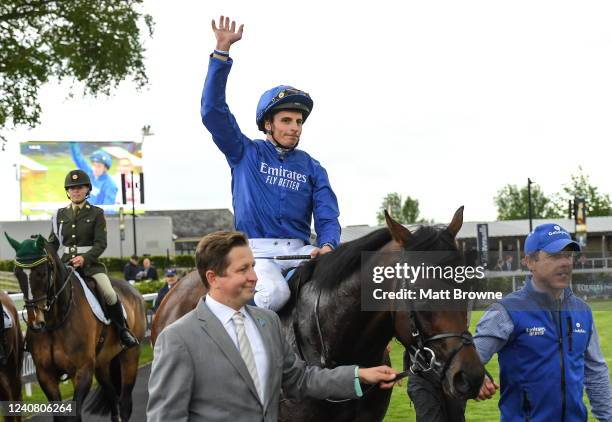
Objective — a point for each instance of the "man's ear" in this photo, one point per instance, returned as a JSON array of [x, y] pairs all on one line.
[[530, 260], [268, 126], [211, 277]]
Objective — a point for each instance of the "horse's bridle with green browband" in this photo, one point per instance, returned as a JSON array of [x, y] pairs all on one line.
[[51, 299]]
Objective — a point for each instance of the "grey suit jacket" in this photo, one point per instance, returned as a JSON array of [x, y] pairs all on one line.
[[199, 375]]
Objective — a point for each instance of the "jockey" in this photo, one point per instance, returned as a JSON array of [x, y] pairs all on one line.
[[104, 189], [276, 188], [79, 232]]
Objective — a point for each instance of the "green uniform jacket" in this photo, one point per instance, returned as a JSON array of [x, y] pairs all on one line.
[[87, 229]]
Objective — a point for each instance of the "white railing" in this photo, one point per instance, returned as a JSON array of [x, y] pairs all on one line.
[[19, 296]]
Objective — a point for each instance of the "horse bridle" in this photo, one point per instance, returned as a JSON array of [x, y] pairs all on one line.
[[51, 300], [423, 359]]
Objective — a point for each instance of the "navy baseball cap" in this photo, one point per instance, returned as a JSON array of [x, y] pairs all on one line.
[[170, 272], [550, 238]]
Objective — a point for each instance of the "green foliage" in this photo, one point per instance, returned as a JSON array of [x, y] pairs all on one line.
[[7, 265], [598, 203], [149, 286], [160, 261], [113, 264], [93, 42], [512, 203], [184, 261], [403, 211]]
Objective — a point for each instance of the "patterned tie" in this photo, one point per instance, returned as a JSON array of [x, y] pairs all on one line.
[[246, 351]]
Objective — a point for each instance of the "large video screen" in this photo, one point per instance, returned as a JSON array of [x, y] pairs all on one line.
[[44, 165]]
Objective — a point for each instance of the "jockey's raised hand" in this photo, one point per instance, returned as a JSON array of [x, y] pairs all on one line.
[[226, 33]]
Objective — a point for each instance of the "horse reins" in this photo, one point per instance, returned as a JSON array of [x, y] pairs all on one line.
[[51, 300]]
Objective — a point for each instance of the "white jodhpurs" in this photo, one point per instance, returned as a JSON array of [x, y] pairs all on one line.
[[272, 291], [104, 287]]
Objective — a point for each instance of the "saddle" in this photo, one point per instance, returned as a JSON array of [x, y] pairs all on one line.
[[94, 299], [7, 319], [90, 282]]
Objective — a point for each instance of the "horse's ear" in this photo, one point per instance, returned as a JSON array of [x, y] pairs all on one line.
[[455, 225], [398, 232], [44, 243], [40, 242], [16, 245]]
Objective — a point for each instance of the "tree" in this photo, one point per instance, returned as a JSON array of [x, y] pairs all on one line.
[[512, 203], [598, 204], [406, 212], [93, 42]]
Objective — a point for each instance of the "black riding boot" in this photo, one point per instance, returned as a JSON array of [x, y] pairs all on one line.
[[125, 336]]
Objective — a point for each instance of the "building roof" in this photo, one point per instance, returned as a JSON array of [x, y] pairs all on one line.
[[197, 223], [513, 228], [509, 228]]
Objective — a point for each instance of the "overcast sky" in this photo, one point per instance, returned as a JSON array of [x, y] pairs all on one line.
[[445, 101]]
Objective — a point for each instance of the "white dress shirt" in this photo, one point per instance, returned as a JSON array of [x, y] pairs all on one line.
[[224, 313]]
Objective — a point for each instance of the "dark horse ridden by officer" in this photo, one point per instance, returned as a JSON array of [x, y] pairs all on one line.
[[325, 323], [11, 358], [64, 336]]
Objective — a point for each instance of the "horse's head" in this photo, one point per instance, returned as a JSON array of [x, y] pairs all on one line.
[[35, 264], [438, 338]]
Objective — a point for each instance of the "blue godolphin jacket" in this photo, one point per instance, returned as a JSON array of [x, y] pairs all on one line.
[[542, 365]]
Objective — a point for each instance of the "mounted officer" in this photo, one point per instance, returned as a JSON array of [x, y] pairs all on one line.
[[79, 232]]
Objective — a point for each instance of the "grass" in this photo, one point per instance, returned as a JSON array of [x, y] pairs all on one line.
[[50, 187], [401, 410]]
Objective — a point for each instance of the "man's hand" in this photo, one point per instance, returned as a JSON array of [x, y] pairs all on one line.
[[320, 251], [378, 374], [226, 33], [487, 390], [77, 261]]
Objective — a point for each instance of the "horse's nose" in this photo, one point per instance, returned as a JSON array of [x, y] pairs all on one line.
[[466, 385]]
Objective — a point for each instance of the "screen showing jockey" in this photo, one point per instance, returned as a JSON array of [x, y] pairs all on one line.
[[104, 189], [79, 235], [276, 188]]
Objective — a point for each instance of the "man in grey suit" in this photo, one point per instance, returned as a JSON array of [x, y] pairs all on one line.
[[227, 361]]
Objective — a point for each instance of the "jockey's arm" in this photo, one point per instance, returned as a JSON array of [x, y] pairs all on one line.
[[325, 210], [79, 160], [216, 115]]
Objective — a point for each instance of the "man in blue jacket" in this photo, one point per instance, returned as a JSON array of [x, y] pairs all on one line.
[[104, 190], [276, 188], [547, 345]]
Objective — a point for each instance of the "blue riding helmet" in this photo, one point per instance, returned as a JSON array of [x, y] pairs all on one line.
[[282, 97], [103, 157]]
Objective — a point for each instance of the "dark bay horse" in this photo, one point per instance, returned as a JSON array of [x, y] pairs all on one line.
[[10, 374], [66, 339], [325, 323]]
